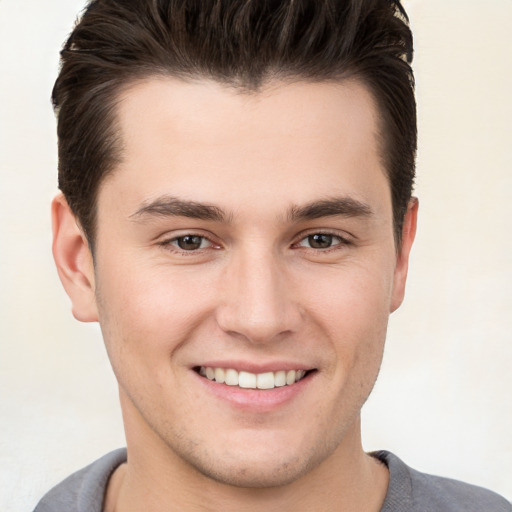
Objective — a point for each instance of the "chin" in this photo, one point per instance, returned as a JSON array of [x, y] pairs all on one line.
[[261, 462], [256, 475]]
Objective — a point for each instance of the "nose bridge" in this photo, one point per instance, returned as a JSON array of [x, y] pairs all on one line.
[[257, 297]]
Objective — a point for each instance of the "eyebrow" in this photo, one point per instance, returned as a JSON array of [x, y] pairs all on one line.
[[168, 206], [331, 207]]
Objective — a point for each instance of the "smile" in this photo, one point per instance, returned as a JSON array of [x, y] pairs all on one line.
[[247, 380]]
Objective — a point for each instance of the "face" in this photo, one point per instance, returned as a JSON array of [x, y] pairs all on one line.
[[245, 269]]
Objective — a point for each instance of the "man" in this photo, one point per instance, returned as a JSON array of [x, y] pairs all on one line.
[[236, 212]]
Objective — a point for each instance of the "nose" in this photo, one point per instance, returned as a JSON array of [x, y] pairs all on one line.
[[258, 299]]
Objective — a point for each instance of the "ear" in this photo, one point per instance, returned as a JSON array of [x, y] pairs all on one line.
[[74, 261], [402, 261]]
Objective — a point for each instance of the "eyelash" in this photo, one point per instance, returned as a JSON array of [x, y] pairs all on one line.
[[341, 241], [172, 243]]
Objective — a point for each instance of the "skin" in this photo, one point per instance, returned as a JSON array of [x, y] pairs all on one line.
[[256, 292]]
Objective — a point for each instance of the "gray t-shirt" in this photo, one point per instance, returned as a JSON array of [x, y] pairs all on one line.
[[408, 491]]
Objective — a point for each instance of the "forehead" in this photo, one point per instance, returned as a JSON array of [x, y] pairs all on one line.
[[202, 141]]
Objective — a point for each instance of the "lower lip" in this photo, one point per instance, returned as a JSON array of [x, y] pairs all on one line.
[[257, 400]]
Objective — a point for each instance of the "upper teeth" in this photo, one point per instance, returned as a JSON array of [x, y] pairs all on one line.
[[267, 380]]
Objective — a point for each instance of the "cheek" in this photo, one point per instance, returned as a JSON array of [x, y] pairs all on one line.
[[354, 296], [149, 310], [351, 306]]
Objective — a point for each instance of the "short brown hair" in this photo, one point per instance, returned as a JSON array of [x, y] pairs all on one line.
[[241, 43]]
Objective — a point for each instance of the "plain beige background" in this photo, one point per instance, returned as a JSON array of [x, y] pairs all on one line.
[[443, 402]]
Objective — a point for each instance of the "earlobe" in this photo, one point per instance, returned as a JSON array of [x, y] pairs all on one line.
[[402, 262], [74, 261]]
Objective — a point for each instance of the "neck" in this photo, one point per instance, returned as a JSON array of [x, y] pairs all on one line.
[[156, 480]]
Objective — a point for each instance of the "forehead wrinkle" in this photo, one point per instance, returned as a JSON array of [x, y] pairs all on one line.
[[170, 206], [336, 206]]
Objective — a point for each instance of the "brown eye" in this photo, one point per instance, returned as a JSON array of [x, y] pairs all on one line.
[[190, 242], [320, 241]]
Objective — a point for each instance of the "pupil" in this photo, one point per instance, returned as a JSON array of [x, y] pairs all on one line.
[[320, 241], [189, 242]]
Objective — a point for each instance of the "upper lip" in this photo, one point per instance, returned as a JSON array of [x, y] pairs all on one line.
[[252, 367]]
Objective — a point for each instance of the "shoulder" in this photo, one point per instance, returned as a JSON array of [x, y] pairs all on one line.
[[84, 490], [412, 491], [455, 495]]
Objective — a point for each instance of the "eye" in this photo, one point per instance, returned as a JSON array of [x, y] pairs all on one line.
[[320, 241], [190, 242]]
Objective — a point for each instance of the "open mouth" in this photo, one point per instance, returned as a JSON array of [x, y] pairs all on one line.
[[247, 380]]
